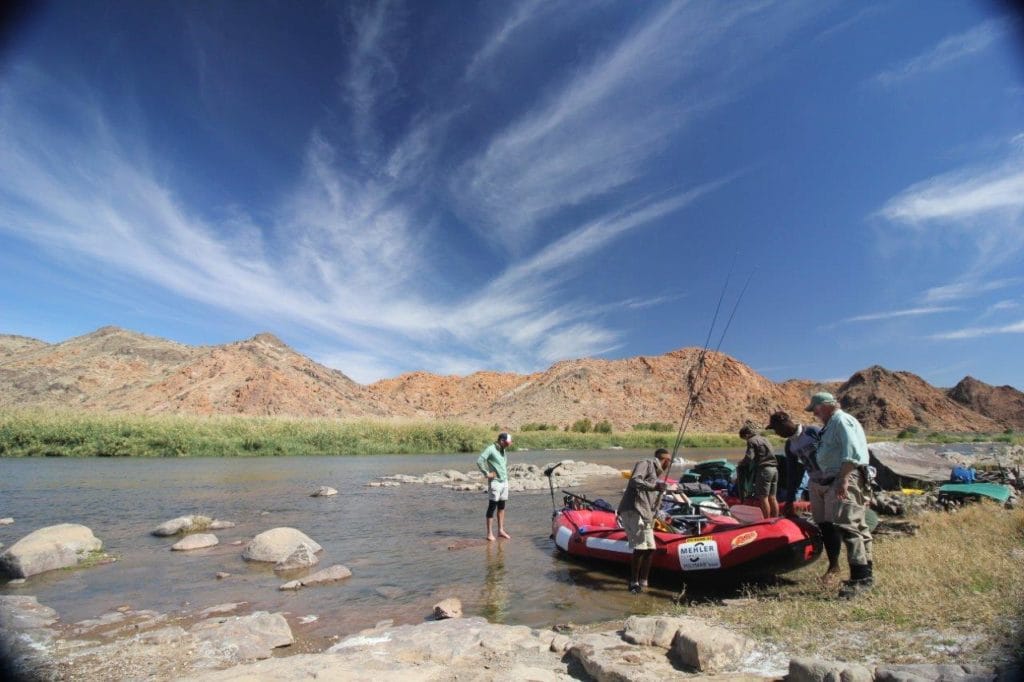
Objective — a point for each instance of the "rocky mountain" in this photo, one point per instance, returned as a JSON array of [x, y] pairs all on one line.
[[118, 370], [12, 345], [1004, 404], [887, 401], [123, 371]]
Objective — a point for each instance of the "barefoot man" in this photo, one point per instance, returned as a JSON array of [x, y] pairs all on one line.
[[493, 464]]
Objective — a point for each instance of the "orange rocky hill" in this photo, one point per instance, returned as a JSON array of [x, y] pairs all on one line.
[[117, 370], [1004, 404]]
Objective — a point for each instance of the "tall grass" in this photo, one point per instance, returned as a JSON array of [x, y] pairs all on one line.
[[953, 592], [39, 433]]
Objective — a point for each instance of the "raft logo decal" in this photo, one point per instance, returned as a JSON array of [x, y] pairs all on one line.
[[699, 554], [744, 539]]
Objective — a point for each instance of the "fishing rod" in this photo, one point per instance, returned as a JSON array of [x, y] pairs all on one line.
[[699, 383]]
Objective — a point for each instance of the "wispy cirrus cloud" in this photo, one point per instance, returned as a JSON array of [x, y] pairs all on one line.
[[521, 14], [979, 332], [967, 289], [894, 314], [981, 207], [606, 124], [948, 51]]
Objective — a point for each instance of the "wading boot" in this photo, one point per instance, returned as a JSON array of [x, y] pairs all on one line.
[[861, 580]]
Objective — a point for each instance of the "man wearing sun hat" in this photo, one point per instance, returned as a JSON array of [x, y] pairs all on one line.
[[842, 455], [493, 463]]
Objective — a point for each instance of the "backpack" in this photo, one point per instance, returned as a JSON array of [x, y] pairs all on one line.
[[961, 474]]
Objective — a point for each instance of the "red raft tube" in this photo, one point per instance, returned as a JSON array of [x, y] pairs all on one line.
[[702, 545]]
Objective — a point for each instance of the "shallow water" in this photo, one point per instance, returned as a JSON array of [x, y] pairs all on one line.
[[395, 540]]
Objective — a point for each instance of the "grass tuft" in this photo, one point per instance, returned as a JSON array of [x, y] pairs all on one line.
[[953, 592]]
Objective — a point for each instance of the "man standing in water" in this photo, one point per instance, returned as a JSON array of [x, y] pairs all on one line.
[[493, 463], [842, 454], [636, 514]]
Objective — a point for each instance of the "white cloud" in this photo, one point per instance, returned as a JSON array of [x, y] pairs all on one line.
[[982, 207], [978, 332], [967, 289], [605, 125], [959, 196], [946, 52], [522, 13], [892, 314]]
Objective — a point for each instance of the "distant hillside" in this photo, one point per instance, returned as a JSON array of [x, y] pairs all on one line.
[[1004, 404], [11, 346], [886, 401], [117, 370]]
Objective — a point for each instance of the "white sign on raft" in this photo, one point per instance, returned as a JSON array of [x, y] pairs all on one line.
[[607, 545], [698, 554], [562, 536]]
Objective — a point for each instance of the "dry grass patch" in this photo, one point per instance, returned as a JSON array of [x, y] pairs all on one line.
[[952, 593]]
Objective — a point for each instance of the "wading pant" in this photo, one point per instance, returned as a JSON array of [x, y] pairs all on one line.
[[848, 517]]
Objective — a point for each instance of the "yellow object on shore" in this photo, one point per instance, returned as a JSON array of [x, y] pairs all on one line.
[[912, 491]]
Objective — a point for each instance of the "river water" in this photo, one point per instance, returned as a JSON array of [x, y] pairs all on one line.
[[395, 540]]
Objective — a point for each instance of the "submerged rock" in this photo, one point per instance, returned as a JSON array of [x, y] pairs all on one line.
[[277, 544], [324, 491], [195, 541], [47, 549], [6, 521], [322, 577]]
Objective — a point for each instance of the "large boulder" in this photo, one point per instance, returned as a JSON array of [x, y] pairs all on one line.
[[304, 556], [47, 549], [277, 544]]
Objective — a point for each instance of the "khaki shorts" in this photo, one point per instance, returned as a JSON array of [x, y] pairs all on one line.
[[639, 533], [497, 490], [766, 482], [819, 512]]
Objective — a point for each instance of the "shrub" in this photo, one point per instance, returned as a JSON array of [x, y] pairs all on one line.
[[654, 426], [582, 425], [909, 432], [603, 426]]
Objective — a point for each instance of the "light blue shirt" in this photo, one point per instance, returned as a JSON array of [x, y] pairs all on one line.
[[493, 459], [842, 440]]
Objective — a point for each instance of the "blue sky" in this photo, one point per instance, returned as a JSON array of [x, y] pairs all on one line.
[[454, 186]]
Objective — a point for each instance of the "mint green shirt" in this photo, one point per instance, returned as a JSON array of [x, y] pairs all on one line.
[[842, 440], [493, 459]]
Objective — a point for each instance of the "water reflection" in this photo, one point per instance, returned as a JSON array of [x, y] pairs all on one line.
[[495, 606]]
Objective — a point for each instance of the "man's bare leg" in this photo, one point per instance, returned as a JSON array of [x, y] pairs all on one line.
[[501, 524], [490, 535]]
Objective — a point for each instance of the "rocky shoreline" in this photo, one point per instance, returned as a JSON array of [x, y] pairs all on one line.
[[224, 643]]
